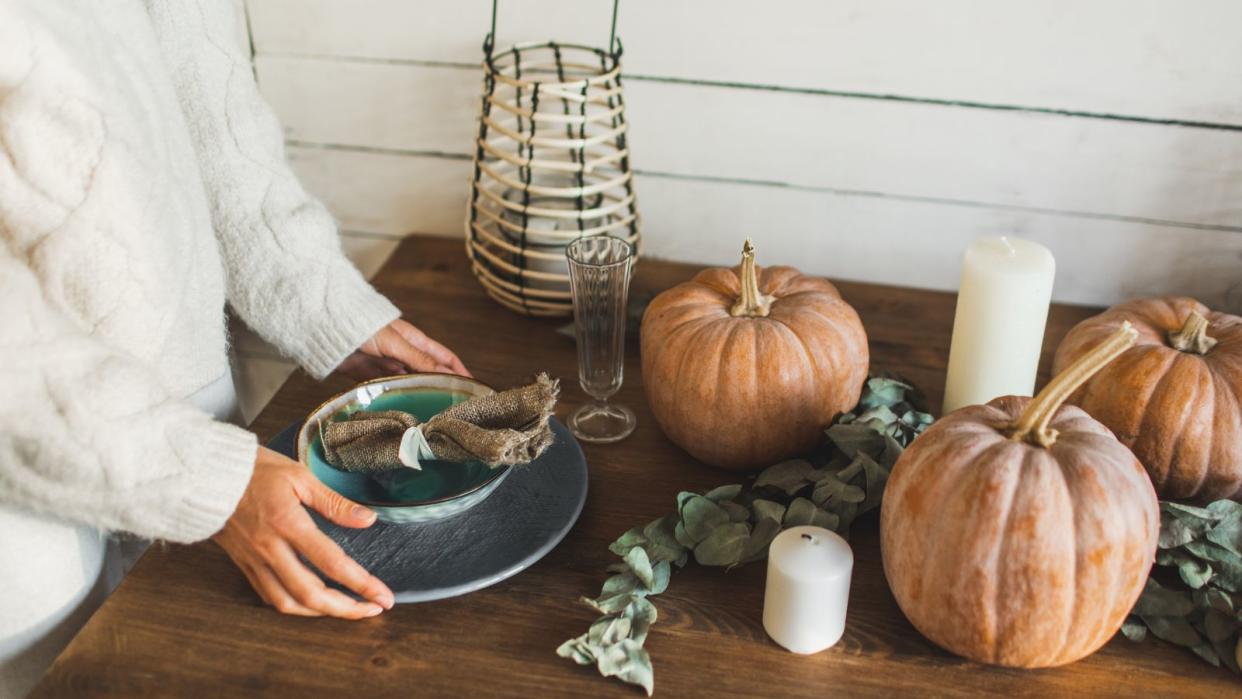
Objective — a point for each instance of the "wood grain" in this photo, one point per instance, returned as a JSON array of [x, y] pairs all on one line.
[[184, 623]]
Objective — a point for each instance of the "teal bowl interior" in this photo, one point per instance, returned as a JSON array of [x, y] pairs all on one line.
[[440, 489]]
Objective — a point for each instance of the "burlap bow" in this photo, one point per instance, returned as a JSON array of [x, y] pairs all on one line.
[[502, 429]]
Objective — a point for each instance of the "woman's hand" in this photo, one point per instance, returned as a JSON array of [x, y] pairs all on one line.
[[400, 348], [270, 529]]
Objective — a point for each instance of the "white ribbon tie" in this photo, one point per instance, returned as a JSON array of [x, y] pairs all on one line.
[[414, 448]]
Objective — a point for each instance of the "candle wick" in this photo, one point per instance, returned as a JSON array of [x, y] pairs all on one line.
[[1008, 246], [809, 538]]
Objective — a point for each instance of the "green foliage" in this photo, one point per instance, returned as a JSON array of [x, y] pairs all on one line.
[[731, 525], [1199, 557]]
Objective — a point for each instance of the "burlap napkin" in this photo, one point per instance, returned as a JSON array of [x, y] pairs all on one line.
[[503, 429]]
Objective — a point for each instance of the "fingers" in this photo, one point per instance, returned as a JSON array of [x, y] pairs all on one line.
[[364, 367], [264, 582], [333, 505], [324, 554], [442, 355], [400, 348], [307, 590]]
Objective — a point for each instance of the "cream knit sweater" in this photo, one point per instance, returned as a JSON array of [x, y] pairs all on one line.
[[143, 185]]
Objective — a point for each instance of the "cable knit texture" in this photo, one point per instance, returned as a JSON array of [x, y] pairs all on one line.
[[143, 179], [143, 184]]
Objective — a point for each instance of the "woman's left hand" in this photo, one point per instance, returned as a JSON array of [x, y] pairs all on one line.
[[400, 348]]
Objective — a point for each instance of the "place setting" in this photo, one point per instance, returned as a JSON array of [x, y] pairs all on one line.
[[779, 433]]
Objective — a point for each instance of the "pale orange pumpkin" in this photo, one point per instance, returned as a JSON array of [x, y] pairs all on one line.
[[746, 367], [1175, 398], [1020, 532]]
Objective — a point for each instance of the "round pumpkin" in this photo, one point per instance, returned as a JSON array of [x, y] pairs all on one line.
[[1020, 532], [746, 367], [1175, 398]]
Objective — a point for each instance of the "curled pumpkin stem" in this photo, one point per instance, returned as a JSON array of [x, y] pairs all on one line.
[[1193, 337], [1032, 425], [752, 302]]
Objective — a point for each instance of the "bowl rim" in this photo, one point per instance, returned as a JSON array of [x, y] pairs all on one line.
[[496, 473]]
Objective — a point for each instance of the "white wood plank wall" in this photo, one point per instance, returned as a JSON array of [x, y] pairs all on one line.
[[861, 139]]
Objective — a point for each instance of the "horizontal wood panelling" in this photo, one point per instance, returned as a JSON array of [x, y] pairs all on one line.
[[386, 194], [987, 157], [1154, 59], [869, 238]]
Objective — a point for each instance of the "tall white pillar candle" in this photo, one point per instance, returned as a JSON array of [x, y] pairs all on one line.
[[998, 330], [808, 589]]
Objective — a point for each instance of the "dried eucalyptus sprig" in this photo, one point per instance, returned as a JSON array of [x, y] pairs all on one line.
[[1200, 605], [728, 526]]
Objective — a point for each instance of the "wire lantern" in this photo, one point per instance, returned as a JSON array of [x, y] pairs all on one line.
[[551, 165]]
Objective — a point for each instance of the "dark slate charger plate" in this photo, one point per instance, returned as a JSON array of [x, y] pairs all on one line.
[[527, 516]]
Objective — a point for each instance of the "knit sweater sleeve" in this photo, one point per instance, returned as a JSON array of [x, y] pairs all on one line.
[[287, 276], [89, 434]]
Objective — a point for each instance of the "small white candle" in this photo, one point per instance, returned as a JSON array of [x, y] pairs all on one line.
[[808, 589], [998, 330]]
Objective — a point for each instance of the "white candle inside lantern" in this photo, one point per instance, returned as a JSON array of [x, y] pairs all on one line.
[[998, 330], [808, 589]]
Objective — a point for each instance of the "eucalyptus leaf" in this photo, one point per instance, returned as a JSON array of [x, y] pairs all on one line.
[[736, 512], [660, 574], [684, 497], [610, 604], [724, 492], [1182, 511], [621, 584], [724, 546], [1174, 532], [854, 438], [825, 519], [800, 513], [629, 662], [789, 476], [1208, 653], [640, 564], [679, 531], [627, 541], [761, 536], [1134, 629], [1173, 629], [766, 509], [1219, 600], [832, 487], [578, 650], [608, 630], [1218, 626], [642, 614], [1202, 614], [1158, 600], [701, 516], [1224, 508], [1194, 572], [1228, 533]]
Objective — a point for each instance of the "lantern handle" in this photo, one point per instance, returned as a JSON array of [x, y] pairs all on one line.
[[614, 44]]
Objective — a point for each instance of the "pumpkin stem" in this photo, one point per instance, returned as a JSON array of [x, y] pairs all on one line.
[[1193, 336], [1032, 425], [752, 302]]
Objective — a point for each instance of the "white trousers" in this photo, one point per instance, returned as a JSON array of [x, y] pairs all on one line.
[[54, 573]]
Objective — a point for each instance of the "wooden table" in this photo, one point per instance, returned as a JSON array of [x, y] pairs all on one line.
[[185, 623]]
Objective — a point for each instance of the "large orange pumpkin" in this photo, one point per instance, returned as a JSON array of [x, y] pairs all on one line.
[[1175, 398], [1020, 532], [746, 367]]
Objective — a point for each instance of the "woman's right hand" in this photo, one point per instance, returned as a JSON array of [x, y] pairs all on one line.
[[270, 529]]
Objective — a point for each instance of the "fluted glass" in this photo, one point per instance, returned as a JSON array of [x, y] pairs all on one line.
[[599, 278]]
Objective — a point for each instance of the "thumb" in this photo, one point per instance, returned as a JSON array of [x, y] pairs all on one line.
[[339, 509]]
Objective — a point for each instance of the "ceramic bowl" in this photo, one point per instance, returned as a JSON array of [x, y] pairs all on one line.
[[441, 489]]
